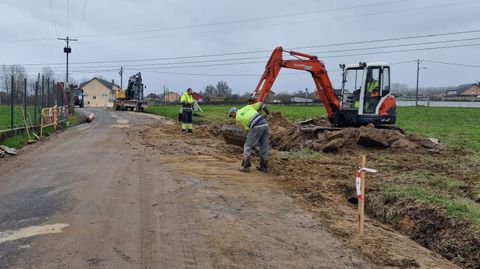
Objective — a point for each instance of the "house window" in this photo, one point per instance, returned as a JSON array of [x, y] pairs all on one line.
[[94, 97]]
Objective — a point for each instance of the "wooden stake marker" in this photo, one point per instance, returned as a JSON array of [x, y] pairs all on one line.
[[360, 186], [361, 197]]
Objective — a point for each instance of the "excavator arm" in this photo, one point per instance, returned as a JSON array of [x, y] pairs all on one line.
[[310, 64]]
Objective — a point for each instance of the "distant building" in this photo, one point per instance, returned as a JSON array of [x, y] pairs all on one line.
[[270, 97], [198, 97], [217, 99], [98, 92], [171, 97], [464, 92], [301, 100]]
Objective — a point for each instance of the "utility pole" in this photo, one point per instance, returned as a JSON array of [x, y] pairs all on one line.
[[418, 73], [306, 95], [67, 51], [164, 95], [121, 77]]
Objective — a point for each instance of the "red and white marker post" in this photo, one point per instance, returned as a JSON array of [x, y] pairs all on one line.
[[360, 186]]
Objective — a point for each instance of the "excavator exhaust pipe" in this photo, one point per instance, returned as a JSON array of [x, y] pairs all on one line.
[[233, 135]]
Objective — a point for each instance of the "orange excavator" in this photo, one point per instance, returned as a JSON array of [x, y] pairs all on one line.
[[363, 99], [365, 94]]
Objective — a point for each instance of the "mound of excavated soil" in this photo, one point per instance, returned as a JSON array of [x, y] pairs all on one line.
[[287, 136]]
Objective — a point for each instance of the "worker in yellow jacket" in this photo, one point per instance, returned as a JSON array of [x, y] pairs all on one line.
[[258, 133], [187, 106]]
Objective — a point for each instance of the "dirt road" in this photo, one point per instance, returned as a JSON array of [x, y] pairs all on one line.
[[123, 193]]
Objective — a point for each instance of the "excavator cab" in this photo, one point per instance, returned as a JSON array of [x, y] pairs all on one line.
[[365, 94]]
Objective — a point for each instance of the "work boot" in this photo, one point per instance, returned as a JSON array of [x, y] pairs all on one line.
[[246, 162], [245, 169], [263, 166], [189, 131], [184, 131]]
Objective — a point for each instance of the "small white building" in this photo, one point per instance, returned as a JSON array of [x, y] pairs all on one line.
[[301, 100]]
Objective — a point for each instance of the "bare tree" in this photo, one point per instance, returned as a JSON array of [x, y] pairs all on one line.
[[19, 74], [48, 73]]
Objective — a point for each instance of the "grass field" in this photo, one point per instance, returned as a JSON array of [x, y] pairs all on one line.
[[456, 127], [17, 116]]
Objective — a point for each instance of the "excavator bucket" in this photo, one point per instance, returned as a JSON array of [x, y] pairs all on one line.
[[233, 134]]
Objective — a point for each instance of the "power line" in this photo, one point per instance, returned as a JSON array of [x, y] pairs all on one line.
[[252, 19], [68, 18], [330, 56], [403, 62], [277, 24], [265, 51], [323, 52], [406, 50], [263, 61], [223, 75], [448, 63], [53, 18], [83, 16]]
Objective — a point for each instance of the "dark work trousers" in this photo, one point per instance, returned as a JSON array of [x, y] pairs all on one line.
[[187, 120]]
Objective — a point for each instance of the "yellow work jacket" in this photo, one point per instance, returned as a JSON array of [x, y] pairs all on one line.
[[246, 114], [186, 100]]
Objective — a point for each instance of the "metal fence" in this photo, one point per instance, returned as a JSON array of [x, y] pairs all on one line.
[[21, 101]]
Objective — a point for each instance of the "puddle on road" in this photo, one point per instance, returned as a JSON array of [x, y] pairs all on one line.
[[32, 231]]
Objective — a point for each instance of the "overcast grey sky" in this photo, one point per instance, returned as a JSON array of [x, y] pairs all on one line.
[[127, 31]]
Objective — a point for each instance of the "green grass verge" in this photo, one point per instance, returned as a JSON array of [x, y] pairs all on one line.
[[20, 140], [454, 206], [16, 141]]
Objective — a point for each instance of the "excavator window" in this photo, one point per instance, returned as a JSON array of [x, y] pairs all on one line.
[[372, 89], [386, 81], [352, 83]]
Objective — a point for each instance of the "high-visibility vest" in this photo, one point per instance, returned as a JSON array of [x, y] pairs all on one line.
[[187, 100], [246, 114], [373, 88]]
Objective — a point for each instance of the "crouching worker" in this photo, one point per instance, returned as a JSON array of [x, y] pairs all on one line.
[[187, 106], [258, 133]]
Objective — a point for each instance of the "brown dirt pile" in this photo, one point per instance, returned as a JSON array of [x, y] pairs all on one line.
[[287, 136]]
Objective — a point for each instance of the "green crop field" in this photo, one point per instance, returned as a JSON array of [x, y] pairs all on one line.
[[456, 127]]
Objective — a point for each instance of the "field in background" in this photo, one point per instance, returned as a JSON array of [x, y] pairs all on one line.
[[456, 127]]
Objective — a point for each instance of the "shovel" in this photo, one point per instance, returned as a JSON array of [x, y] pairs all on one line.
[[31, 123], [30, 141]]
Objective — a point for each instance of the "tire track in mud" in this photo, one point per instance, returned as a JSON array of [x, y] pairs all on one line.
[[171, 235]]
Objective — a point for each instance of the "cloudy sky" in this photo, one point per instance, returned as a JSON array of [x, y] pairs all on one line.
[[184, 44]]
